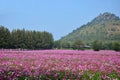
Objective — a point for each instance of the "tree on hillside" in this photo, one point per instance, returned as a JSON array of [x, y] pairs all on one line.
[[97, 45], [65, 45], [116, 46], [78, 44]]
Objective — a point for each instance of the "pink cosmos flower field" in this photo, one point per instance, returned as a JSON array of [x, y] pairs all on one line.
[[59, 65]]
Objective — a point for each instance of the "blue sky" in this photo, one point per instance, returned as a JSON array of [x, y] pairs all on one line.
[[58, 17]]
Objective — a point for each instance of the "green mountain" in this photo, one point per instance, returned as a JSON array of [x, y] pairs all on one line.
[[105, 27]]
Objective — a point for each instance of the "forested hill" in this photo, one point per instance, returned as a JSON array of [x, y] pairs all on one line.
[[105, 27]]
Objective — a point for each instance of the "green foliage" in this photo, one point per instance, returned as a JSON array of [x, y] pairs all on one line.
[[18, 39], [25, 39], [78, 44], [65, 45], [97, 45], [90, 75], [63, 75], [4, 37], [114, 76], [57, 44], [62, 45], [116, 46], [107, 45]]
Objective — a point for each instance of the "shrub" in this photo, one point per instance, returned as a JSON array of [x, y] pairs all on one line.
[[97, 45], [116, 46]]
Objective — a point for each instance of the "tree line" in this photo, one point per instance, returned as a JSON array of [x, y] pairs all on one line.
[[81, 45], [25, 39]]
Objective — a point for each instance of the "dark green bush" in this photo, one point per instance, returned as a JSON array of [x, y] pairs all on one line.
[[116, 46], [97, 45]]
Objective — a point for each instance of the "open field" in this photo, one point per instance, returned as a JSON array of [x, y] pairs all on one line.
[[59, 65]]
